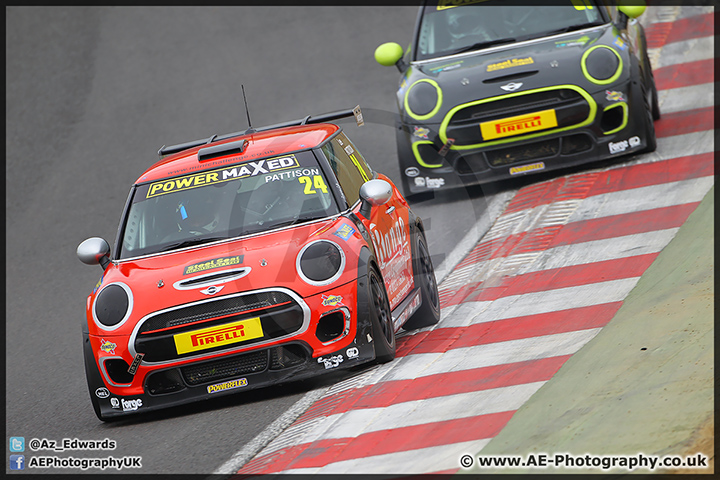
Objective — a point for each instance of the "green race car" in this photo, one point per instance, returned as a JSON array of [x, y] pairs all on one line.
[[494, 89]]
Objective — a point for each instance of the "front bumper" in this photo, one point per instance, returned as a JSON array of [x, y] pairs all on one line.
[[179, 389], [158, 385], [589, 128]]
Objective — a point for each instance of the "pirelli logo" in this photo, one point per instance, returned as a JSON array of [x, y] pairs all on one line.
[[518, 125], [217, 336], [248, 169]]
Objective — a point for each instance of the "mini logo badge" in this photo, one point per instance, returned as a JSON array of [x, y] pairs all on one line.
[[212, 290], [352, 352], [512, 86], [114, 403], [102, 392]]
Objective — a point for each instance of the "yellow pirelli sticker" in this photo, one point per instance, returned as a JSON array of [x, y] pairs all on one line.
[[247, 169], [219, 335], [527, 168], [514, 62], [518, 125]]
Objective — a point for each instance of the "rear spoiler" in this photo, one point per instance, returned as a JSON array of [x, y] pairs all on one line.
[[326, 117]]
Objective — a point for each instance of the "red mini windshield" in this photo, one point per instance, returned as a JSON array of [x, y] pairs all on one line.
[[232, 201]]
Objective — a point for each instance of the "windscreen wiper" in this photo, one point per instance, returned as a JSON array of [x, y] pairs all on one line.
[[572, 28], [191, 242], [480, 45]]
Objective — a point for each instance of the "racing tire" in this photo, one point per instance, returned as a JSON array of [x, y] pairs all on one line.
[[424, 274], [651, 139], [655, 103], [381, 318]]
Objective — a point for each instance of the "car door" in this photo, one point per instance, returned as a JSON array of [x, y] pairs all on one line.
[[388, 223]]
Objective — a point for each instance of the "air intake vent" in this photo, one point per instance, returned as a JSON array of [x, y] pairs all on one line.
[[208, 153], [510, 78], [212, 279]]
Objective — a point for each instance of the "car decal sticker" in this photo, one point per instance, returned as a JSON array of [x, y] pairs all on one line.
[[518, 124], [515, 62], [248, 169], [344, 232], [332, 300], [219, 335], [214, 263], [292, 174], [312, 185], [108, 346], [229, 385], [527, 168]]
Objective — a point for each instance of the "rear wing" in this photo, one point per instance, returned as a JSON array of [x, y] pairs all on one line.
[[326, 117]]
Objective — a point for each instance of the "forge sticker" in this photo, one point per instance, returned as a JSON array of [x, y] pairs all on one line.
[[214, 177], [214, 263], [515, 62]]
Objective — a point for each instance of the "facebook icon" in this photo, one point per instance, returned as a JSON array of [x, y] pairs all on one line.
[[17, 462]]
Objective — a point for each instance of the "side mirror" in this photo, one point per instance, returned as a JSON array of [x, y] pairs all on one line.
[[629, 9], [389, 54], [632, 9], [374, 193], [94, 251]]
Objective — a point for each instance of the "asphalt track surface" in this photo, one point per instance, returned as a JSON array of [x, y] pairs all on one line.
[[92, 93]]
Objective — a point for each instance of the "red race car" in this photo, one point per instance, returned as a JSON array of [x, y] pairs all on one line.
[[249, 259]]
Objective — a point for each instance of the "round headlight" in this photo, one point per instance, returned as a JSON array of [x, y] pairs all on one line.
[[601, 64], [321, 262], [112, 306], [423, 99]]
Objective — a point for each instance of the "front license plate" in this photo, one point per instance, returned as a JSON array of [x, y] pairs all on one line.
[[218, 335], [518, 125]]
